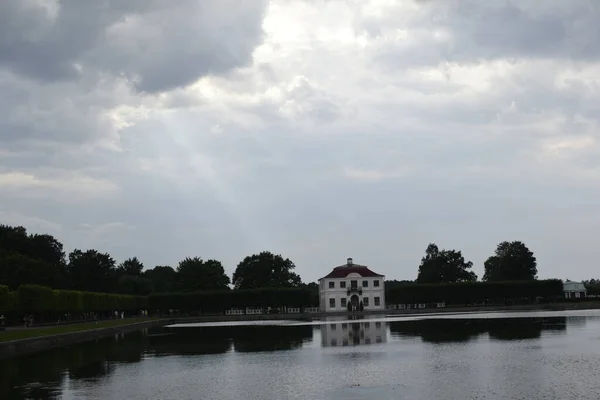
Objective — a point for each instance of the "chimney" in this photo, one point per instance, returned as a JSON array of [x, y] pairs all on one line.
[[350, 261]]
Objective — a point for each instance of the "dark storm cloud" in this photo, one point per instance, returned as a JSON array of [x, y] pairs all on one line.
[[157, 44]]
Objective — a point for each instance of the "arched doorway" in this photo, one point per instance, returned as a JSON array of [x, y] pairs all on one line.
[[354, 301]]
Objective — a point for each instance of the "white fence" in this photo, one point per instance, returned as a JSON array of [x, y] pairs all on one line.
[[414, 306], [283, 310]]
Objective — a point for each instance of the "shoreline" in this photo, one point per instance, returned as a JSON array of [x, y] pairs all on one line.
[[587, 305], [18, 347]]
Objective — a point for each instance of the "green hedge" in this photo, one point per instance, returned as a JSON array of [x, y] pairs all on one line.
[[475, 292], [42, 300], [219, 301], [8, 300]]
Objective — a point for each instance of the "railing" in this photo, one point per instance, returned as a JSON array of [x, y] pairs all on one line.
[[354, 290]]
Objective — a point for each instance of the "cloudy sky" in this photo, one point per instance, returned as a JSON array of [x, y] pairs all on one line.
[[318, 129]]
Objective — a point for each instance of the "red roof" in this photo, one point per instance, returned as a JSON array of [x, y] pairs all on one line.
[[344, 270]]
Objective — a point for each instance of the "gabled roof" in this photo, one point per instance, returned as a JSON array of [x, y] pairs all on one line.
[[574, 286], [344, 270]]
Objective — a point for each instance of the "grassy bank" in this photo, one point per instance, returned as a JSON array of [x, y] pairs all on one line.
[[27, 333]]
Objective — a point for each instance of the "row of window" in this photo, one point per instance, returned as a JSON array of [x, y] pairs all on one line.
[[365, 300], [367, 341], [367, 325], [353, 284]]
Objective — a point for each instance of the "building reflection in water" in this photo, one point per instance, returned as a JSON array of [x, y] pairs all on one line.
[[353, 333]]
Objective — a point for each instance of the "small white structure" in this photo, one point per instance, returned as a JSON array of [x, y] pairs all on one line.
[[348, 286], [311, 309], [574, 290]]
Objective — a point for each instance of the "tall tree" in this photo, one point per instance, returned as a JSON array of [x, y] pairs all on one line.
[[265, 270], [131, 266], [92, 271], [592, 286], [196, 274], [163, 278], [444, 266], [512, 261], [35, 259], [14, 239]]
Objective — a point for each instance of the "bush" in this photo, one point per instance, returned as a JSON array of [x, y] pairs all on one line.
[[219, 301], [476, 292]]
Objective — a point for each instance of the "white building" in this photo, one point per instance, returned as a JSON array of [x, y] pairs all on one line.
[[350, 285], [574, 290]]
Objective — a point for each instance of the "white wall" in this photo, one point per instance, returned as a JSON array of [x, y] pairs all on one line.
[[338, 293]]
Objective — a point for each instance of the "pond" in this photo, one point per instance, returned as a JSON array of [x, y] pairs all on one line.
[[533, 355]]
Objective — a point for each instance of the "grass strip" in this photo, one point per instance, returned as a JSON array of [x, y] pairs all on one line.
[[26, 333]]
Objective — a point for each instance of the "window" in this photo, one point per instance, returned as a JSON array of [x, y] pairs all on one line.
[[366, 301], [343, 302], [377, 301], [343, 285], [376, 283], [332, 303], [353, 284], [365, 283], [331, 285], [333, 327]]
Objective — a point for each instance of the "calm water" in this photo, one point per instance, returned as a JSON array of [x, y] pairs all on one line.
[[550, 355]]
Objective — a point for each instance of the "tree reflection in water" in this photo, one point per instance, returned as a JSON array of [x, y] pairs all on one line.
[[463, 330], [40, 376]]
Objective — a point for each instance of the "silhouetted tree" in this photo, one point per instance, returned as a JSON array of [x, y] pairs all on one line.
[[131, 267], [196, 274], [92, 271], [36, 259], [164, 278], [512, 261], [444, 266], [265, 270]]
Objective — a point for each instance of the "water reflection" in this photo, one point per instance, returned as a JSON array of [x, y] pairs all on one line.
[[353, 333], [93, 364], [462, 330], [40, 376]]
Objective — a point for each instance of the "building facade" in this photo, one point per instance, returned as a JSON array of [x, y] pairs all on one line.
[[351, 287], [574, 290]]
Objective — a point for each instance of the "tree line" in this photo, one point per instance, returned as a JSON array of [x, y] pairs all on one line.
[[512, 261], [51, 305], [40, 259]]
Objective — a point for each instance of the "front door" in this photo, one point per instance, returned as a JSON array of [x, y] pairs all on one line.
[[354, 301]]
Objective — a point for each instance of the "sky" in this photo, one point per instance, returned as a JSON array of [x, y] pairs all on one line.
[[315, 129]]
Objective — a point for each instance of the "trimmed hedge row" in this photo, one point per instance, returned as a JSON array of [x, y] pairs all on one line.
[[476, 292], [42, 300], [219, 301]]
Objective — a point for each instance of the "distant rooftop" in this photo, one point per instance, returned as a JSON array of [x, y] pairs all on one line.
[[344, 270]]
